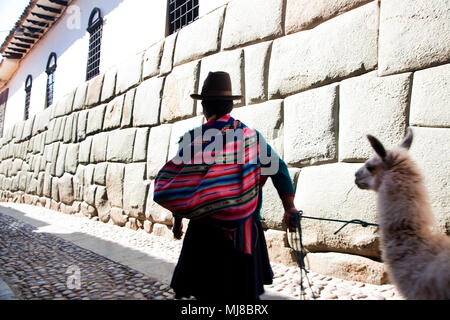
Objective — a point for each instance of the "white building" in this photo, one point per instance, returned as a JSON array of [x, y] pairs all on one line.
[[61, 27]]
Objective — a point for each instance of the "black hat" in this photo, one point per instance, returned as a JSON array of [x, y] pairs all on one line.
[[217, 86]]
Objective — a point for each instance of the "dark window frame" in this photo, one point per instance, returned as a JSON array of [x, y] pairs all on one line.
[[181, 13], [50, 70], [95, 29], [28, 85]]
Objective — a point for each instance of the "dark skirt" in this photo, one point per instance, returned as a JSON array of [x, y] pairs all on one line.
[[210, 268]]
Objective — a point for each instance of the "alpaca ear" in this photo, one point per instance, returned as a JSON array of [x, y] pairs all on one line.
[[408, 140], [377, 146]]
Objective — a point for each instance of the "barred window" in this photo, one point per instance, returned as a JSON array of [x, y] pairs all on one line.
[[95, 28], [28, 84], [181, 13], [51, 68]]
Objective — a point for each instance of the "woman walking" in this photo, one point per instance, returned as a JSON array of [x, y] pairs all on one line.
[[216, 181]]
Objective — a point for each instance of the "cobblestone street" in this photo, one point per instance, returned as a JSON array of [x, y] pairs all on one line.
[[46, 254], [42, 266]]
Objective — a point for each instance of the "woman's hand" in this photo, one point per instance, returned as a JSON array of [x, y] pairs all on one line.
[[177, 228], [289, 210], [289, 219]]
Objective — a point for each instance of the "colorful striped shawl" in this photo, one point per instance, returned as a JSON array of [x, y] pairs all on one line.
[[225, 189]]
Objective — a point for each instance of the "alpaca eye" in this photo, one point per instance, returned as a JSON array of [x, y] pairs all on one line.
[[370, 168]]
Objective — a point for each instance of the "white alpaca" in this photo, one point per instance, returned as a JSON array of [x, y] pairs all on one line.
[[417, 261]]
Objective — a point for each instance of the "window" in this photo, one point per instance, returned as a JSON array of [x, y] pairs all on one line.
[[95, 28], [28, 84], [3, 100], [181, 13], [51, 67]]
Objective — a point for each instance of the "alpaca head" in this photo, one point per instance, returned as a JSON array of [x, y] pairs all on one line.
[[370, 175]]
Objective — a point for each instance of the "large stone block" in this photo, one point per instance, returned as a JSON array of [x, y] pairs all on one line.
[[95, 119], [64, 105], [72, 158], [114, 183], [81, 125], [135, 190], [94, 90], [62, 127], [140, 145], [18, 131], [53, 160], [99, 147], [158, 147], [89, 174], [147, 102], [272, 210], [28, 128], [121, 148], [277, 248], [100, 173], [152, 59], [129, 73], [127, 110], [102, 204], [78, 184], [348, 267], [310, 120], [430, 98], [118, 218], [414, 34], [306, 14], [180, 83], [65, 189], [61, 160], [41, 122], [68, 128], [267, 118], [252, 20], [228, 61], [53, 130], [89, 194], [113, 114], [431, 153], [329, 191], [199, 38], [80, 96], [154, 212], [178, 130], [365, 107], [316, 57], [109, 84], [168, 52], [85, 151], [257, 71], [55, 189]]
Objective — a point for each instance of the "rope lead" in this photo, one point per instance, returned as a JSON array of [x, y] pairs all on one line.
[[300, 253]]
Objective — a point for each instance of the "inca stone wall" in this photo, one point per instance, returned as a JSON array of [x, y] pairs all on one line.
[[317, 76]]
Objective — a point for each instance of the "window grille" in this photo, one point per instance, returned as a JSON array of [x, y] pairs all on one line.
[[181, 13], [51, 67], [28, 84], [95, 29]]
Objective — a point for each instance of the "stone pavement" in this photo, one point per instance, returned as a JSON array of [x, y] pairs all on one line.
[[6, 292], [46, 254]]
